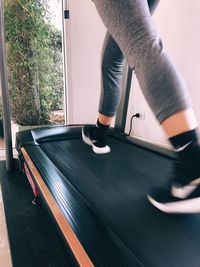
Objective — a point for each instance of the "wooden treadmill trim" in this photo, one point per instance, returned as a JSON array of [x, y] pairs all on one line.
[[68, 233]]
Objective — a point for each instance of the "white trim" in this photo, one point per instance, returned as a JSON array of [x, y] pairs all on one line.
[[68, 101], [182, 192], [101, 150], [185, 191], [188, 206], [182, 147]]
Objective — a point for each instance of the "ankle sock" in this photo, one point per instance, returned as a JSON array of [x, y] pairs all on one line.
[[100, 130], [187, 148], [181, 141], [101, 126], [186, 145]]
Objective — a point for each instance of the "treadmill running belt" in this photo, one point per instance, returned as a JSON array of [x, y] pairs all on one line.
[[115, 186]]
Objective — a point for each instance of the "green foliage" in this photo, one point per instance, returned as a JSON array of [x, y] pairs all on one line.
[[34, 57]]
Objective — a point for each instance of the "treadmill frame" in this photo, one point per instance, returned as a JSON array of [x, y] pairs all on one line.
[[40, 189]]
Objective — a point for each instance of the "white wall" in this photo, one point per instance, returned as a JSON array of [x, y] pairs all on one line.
[[179, 27], [86, 36], [178, 24]]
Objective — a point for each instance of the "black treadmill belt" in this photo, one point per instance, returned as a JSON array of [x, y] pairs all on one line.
[[102, 245], [115, 186]]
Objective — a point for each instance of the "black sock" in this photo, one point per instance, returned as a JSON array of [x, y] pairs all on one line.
[[187, 148], [99, 132], [181, 140], [102, 126]]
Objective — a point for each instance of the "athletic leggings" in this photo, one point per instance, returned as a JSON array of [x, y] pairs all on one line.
[[133, 36]]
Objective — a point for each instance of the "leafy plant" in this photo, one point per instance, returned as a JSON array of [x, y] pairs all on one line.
[[34, 58]]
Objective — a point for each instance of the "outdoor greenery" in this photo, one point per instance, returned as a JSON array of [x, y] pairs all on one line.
[[34, 57]]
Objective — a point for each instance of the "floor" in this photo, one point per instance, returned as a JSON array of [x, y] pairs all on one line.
[[5, 257]]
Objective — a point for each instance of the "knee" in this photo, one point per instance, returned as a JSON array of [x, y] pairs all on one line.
[[146, 51], [112, 64], [147, 40]]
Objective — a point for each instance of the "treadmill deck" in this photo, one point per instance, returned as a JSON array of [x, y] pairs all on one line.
[[114, 187]]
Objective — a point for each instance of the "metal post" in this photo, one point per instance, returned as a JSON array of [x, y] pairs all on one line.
[[121, 116], [5, 94]]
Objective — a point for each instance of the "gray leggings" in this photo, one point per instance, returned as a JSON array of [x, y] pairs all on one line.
[[133, 36]]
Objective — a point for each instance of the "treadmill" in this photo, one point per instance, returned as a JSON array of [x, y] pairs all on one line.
[[99, 203]]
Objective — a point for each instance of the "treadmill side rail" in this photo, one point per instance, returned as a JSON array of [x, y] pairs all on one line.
[[68, 233], [28, 175]]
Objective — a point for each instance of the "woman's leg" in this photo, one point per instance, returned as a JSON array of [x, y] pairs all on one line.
[[180, 122], [130, 24], [112, 73]]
